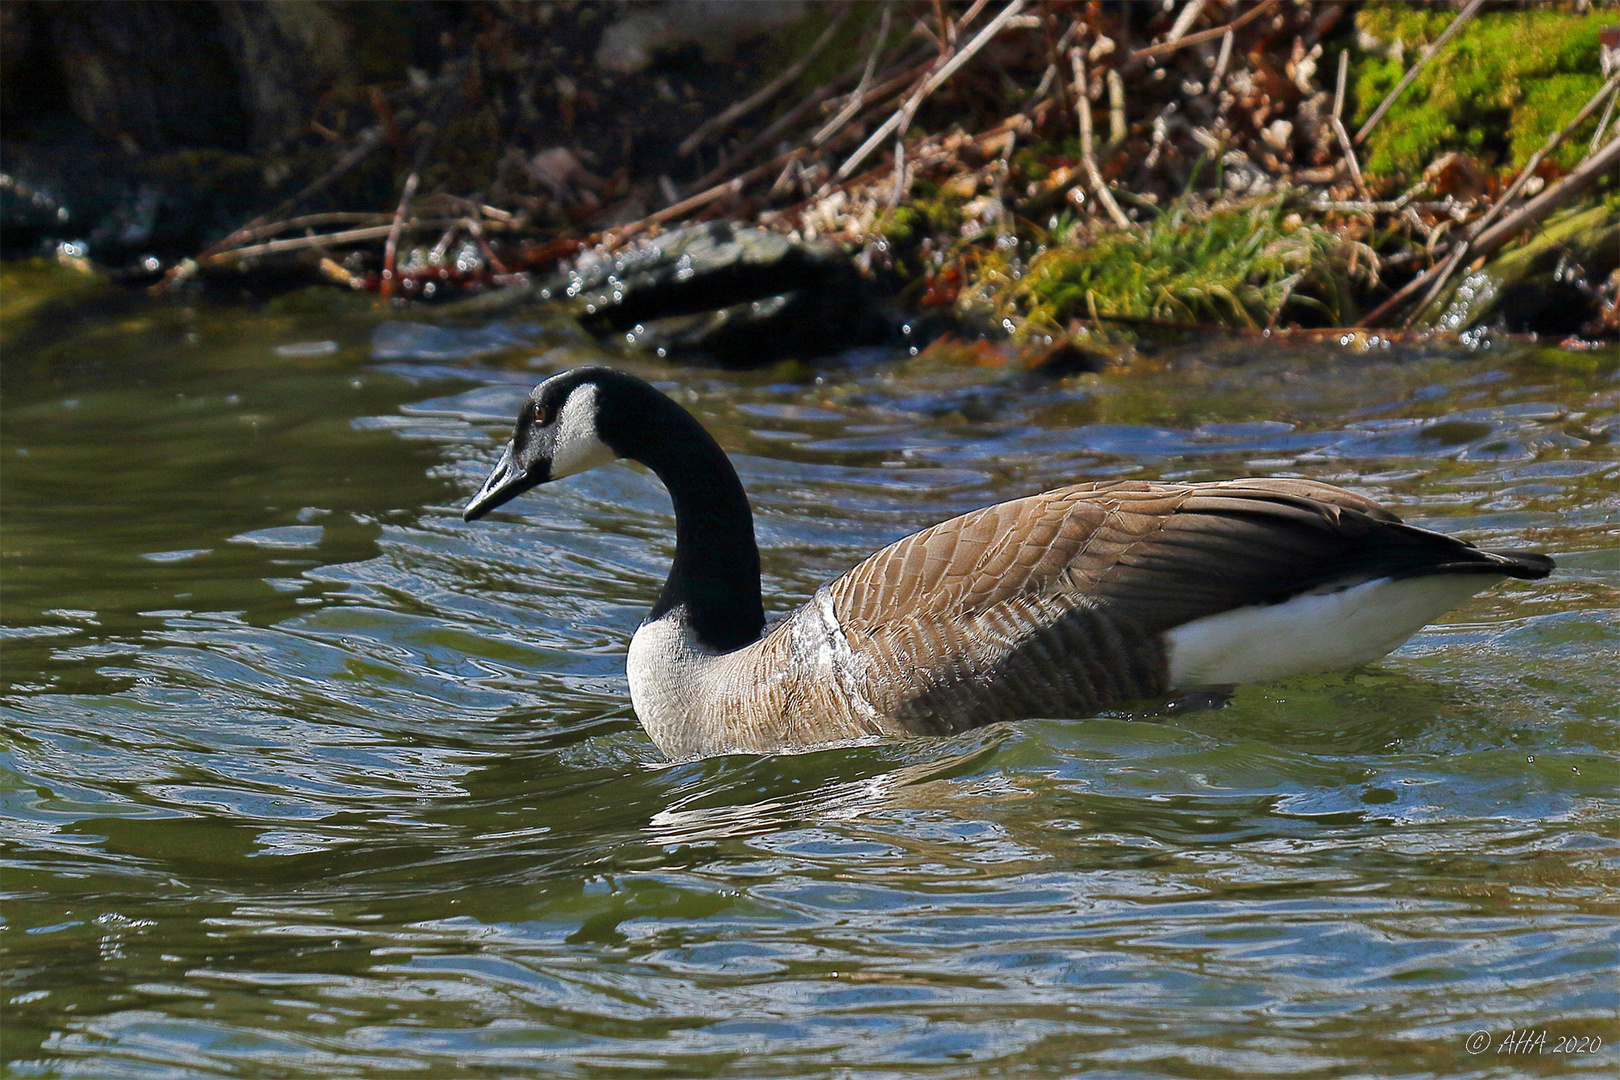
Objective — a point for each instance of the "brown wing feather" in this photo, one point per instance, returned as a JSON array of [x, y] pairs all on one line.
[[1053, 604]]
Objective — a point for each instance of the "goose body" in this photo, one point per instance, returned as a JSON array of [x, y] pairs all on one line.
[[1053, 605]]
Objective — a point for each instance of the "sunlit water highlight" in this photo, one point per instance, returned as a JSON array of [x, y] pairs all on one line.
[[304, 776]]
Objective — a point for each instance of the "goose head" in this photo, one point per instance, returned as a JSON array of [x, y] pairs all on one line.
[[559, 433], [591, 416]]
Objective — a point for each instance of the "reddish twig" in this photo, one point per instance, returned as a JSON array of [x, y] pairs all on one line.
[[391, 247], [1165, 47]]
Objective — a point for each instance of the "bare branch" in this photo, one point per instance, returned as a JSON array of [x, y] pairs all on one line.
[[933, 83], [1343, 136], [766, 92], [1483, 224], [1087, 159], [1204, 35]]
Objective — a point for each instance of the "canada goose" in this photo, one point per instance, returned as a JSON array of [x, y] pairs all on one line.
[[1053, 605]]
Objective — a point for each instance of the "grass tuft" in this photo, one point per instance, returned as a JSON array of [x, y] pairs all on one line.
[[1243, 266]]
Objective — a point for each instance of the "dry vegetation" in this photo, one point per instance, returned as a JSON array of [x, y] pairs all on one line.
[[1039, 165]]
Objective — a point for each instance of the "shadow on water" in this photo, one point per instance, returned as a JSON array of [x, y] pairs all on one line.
[[301, 775]]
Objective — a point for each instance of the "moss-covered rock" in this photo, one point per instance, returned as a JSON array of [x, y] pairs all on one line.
[[1505, 83]]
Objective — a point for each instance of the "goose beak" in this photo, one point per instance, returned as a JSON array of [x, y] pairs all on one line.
[[506, 481]]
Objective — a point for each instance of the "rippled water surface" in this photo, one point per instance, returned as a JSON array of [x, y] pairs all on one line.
[[304, 776]]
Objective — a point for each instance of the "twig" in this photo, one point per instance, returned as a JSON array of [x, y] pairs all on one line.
[[857, 96], [898, 190], [1044, 87], [734, 186], [1116, 108], [367, 141], [1203, 35], [1088, 160], [768, 135], [473, 226], [442, 248], [883, 92], [933, 83], [962, 24], [1603, 125], [307, 221], [1578, 180], [766, 92], [1342, 135], [1221, 62], [1338, 92], [391, 247], [1605, 91], [1184, 21], [1406, 80], [295, 243], [1353, 206], [1487, 242], [781, 185]]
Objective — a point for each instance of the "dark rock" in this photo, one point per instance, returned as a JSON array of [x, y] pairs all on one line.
[[1544, 307], [121, 207], [739, 296]]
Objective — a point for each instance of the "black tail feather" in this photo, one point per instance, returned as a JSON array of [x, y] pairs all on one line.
[[1530, 565]]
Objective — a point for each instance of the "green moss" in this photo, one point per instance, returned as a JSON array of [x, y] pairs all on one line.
[[1030, 163], [925, 215], [1236, 267], [902, 223], [1501, 87]]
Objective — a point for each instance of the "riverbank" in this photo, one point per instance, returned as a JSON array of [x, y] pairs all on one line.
[[1049, 173]]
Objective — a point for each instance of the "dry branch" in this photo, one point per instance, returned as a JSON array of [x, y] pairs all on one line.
[[1166, 47], [1338, 128], [1531, 213], [928, 87], [857, 97], [1483, 224], [1088, 160], [1581, 178], [766, 92]]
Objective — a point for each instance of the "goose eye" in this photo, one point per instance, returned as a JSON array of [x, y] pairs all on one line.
[[542, 414]]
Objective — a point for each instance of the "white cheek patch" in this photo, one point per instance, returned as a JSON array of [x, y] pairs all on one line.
[[576, 448]]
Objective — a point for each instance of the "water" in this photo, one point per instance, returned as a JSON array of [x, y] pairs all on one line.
[[304, 776]]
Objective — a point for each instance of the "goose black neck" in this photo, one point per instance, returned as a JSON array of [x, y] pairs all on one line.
[[716, 571]]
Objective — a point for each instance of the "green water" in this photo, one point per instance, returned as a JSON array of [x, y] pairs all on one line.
[[303, 776]]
